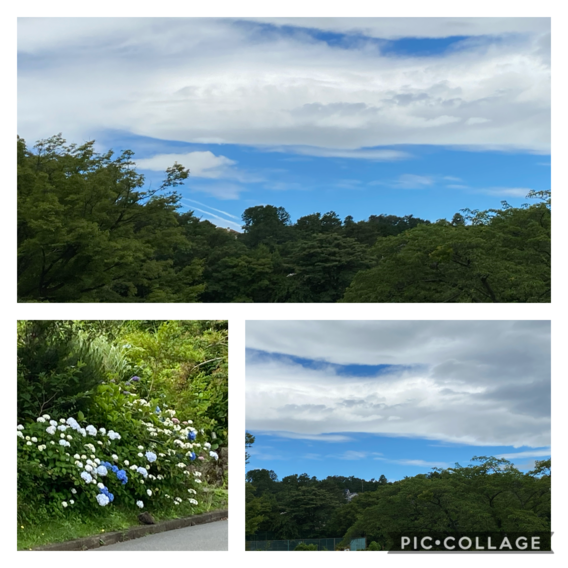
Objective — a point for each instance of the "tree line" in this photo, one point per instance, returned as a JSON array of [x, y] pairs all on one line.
[[490, 496], [89, 231]]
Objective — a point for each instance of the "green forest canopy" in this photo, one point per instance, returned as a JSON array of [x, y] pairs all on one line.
[[489, 496], [88, 231]]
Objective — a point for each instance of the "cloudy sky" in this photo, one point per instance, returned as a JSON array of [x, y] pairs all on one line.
[[359, 115], [367, 398]]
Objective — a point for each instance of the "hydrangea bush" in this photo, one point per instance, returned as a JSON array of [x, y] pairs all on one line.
[[136, 453]]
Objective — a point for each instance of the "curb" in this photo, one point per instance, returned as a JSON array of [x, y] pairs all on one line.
[[91, 542]]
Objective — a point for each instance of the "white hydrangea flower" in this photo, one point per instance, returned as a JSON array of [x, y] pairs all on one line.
[[140, 447], [114, 457], [101, 485], [29, 444], [69, 437], [71, 502], [88, 468], [91, 430], [126, 462], [140, 504], [53, 423], [34, 439], [20, 435], [77, 457], [74, 491], [62, 420], [149, 492], [102, 431], [46, 417], [40, 419], [102, 500], [83, 457], [64, 504], [50, 430], [20, 427]]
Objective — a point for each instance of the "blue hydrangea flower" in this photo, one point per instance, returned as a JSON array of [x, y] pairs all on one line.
[[105, 491], [107, 465], [158, 410], [135, 379], [192, 456], [114, 469], [121, 476], [151, 457], [191, 435]]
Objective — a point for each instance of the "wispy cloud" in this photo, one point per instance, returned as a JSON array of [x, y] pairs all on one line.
[[526, 454], [417, 463], [185, 199], [362, 154], [354, 455], [408, 181], [217, 220], [315, 437], [220, 190], [506, 191]]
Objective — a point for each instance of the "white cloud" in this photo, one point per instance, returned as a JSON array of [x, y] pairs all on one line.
[[362, 154], [417, 463], [355, 455], [188, 201], [220, 190], [506, 191], [476, 120], [528, 454], [394, 28], [408, 181], [469, 382], [218, 220], [411, 181], [232, 82], [200, 164]]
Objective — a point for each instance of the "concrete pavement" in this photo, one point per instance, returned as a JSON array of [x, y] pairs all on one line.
[[209, 536]]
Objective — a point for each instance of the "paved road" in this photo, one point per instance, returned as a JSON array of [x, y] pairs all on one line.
[[210, 536]]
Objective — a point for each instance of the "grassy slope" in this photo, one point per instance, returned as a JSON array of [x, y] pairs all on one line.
[[115, 518]]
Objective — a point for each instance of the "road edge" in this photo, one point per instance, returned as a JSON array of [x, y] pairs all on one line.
[[91, 542]]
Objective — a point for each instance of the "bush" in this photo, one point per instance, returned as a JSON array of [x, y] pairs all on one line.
[[69, 463], [304, 546]]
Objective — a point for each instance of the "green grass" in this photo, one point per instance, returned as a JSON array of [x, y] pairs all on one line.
[[74, 525]]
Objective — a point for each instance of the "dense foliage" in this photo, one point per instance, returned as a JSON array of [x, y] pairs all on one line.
[[88, 231], [489, 496], [118, 414]]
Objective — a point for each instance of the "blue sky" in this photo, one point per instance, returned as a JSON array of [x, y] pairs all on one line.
[[396, 398], [359, 116]]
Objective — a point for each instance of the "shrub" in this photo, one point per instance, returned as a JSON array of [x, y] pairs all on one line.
[[69, 463]]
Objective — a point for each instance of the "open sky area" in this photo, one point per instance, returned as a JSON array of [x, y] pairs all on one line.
[[360, 116], [396, 398]]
